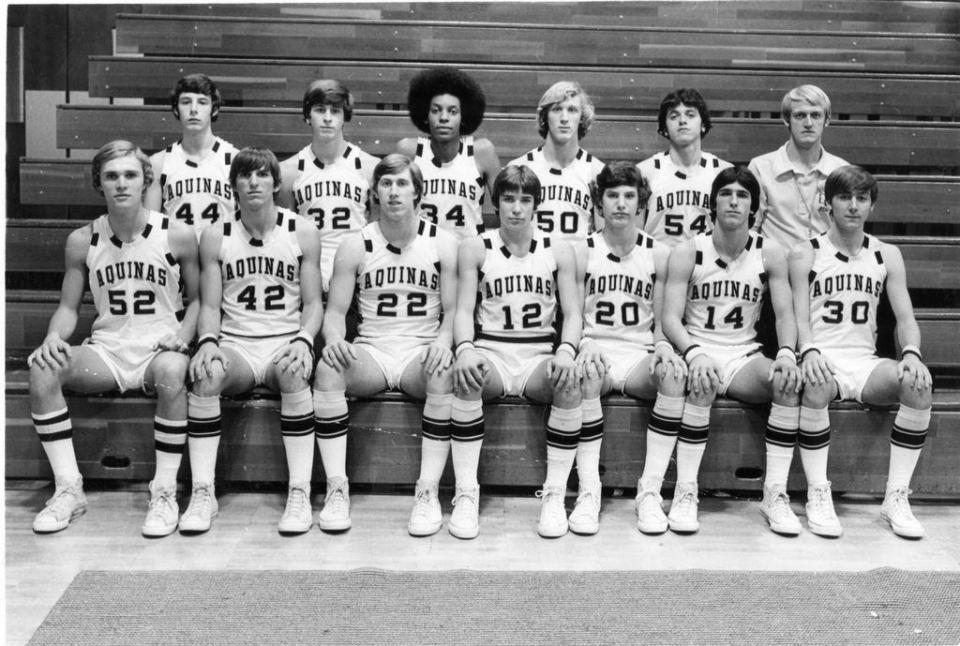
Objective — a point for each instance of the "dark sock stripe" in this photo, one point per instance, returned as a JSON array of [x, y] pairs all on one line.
[[694, 435], [780, 436], [592, 431], [907, 439], [59, 419], [562, 440], [812, 440], [467, 431], [166, 447], [667, 426], [209, 427], [435, 429], [55, 437], [332, 427]]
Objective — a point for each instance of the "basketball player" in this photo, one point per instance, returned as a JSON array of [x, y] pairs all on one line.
[[260, 311], [191, 178], [715, 286], [621, 272], [404, 270], [515, 278], [447, 106], [792, 206], [837, 279], [680, 178], [565, 170], [134, 260], [328, 181]]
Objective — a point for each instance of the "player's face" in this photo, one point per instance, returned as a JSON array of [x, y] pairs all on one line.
[[733, 206], [684, 125], [563, 120], [122, 182], [851, 210], [196, 110], [326, 121], [397, 194], [444, 117], [255, 188], [516, 210], [620, 205], [807, 122]]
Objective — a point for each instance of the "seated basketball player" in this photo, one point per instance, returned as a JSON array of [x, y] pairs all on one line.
[[404, 271], [515, 278], [621, 271], [328, 182], [134, 260], [447, 105], [715, 286], [837, 279], [260, 311], [191, 178]]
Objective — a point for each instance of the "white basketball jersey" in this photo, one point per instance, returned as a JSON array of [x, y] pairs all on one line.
[[335, 197], [452, 191], [679, 204], [844, 295], [566, 202], [723, 300], [135, 285], [261, 278], [518, 299], [198, 193], [399, 289], [618, 292]]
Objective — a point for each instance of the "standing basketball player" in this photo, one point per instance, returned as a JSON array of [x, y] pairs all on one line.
[[837, 279], [715, 287], [328, 181], [191, 178], [512, 281], [404, 270], [447, 106], [680, 178], [134, 260], [621, 272], [260, 311], [565, 170]]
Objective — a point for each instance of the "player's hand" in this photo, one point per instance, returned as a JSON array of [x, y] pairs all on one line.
[[785, 375], [470, 371], [591, 363], [912, 371], [54, 354], [562, 371], [201, 365], [666, 361], [816, 368], [339, 355], [703, 375], [172, 343], [436, 358], [296, 357]]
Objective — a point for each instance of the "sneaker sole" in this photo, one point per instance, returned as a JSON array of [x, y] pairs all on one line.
[[680, 528], [463, 533], [900, 531], [158, 533], [335, 527], [188, 529], [557, 534], [782, 530], [825, 532], [294, 531], [585, 530], [77, 513], [652, 530], [424, 531]]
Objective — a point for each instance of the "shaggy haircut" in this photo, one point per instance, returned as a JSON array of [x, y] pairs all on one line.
[[519, 179], [446, 80], [621, 173], [394, 164], [689, 97], [328, 92], [558, 93], [113, 150], [736, 175], [805, 94], [850, 179], [198, 84], [249, 160]]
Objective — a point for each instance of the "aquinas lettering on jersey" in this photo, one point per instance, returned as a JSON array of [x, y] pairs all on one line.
[[564, 193], [207, 185], [264, 265], [450, 186], [845, 282], [328, 188], [131, 270], [725, 289], [683, 198], [401, 276], [518, 284], [608, 283]]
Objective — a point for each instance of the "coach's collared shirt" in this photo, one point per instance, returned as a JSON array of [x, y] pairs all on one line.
[[792, 204]]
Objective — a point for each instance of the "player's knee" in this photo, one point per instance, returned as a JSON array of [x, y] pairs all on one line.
[[914, 398], [211, 385], [672, 384], [327, 379], [291, 381], [789, 398], [703, 398], [440, 382], [170, 372], [567, 396], [44, 380], [817, 395], [591, 387]]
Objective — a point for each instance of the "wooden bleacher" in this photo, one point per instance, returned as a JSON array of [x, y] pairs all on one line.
[[892, 75]]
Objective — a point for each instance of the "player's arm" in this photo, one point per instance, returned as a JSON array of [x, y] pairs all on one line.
[[910, 368], [488, 162], [298, 355], [55, 352], [439, 354], [589, 358], [288, 175], [663, 352], [469, 370], [211, 295], [153, 197], [185, 250], [337, 352], [783, 372], [563, 372], [814, 367]]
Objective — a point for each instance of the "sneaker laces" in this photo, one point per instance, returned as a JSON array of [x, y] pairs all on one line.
[[336, 499], [162, 502], [900, 504], [60, 504], [587, 497], [552, 503], [422, 503], [201, 502], [821, 500], [687, 502], [649, 503], [465, 494], [298, 503]]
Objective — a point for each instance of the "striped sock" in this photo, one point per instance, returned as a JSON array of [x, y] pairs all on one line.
[[906, 440], [297, 428], [203, 436], [780, 438], [332, 418], [692, 441], [662, 434], [588, 448], [169, 439], [563, 431], [814, 439], [466, 433], [55, 431]]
